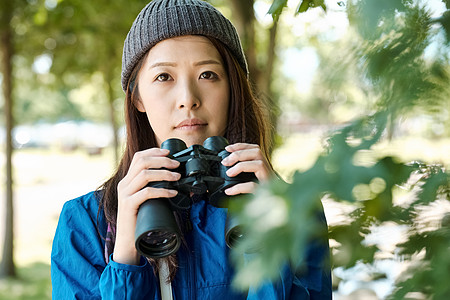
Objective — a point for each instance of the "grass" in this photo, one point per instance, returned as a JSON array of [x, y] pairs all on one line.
[[43, 181], [32, 283]]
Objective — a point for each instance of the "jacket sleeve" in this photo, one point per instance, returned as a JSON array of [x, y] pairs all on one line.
[[78, 268]]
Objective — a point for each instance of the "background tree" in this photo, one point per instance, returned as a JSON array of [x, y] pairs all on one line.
[[84, 42], [259, 43], [7, 266], [42, 41]]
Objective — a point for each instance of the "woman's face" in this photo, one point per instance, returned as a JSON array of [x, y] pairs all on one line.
[[184, 90]]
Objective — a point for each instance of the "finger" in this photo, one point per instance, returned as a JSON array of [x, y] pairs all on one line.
[[255, 166], [152, 152], [153, 163], [241, 188], [243, 155], [150, 160], [240, 146], [144, 177], [144, 158], [145, 194]]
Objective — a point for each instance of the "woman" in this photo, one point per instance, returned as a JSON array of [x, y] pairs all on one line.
[[185, 76]]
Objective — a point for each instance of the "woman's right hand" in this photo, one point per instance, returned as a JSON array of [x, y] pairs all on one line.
[[132, 191]]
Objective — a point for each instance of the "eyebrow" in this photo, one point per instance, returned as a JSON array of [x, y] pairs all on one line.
[[207, 62], [172, 64], [162, 64]]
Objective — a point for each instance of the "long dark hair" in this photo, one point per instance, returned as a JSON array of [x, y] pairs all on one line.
[[247, 122]]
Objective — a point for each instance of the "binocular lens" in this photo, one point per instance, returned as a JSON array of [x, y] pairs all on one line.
[[233, 237], [233, 231], [158, 243], [159, 238], [157, 233]]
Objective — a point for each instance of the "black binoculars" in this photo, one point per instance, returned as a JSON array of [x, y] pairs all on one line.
[[157, 233]]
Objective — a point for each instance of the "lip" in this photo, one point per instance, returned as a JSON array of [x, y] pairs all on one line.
[[191, 123]]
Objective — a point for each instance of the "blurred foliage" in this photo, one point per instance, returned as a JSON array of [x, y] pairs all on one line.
[[389, 43], [278, 5], [68, 54], [429, 274]]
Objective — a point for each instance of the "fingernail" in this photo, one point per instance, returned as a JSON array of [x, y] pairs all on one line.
[[173, 192], [228, 191]]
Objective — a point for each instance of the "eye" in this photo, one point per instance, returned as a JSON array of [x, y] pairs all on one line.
[[208, 75], [163, 77]]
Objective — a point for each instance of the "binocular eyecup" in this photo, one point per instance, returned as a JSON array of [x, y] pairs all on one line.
[[157, 233]]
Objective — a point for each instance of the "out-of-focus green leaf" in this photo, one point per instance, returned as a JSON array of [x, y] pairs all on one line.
[[277, 7], [282, 218], [436, 183], [394, 65], [447, 3], [367, 15], [279, 222], [427, 275], [351, 249], [307, 4], [445, 22], [303, 6]]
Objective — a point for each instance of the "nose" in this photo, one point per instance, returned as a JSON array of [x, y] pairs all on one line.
[[189, 96]]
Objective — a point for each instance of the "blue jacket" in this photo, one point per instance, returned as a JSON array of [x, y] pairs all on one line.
[[79, 270]]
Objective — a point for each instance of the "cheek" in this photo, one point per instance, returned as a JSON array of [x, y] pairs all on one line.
[[152, 104], [157, 113], [156, 116]]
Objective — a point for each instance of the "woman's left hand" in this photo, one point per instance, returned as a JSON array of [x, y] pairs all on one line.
[[246, 158]]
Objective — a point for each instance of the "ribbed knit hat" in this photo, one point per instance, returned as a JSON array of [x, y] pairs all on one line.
[[163, 19]]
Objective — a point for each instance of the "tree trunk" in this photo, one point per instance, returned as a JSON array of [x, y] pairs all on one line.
[[244, 20], [7, 267], [108, 77], [113, 121], [266, 76]]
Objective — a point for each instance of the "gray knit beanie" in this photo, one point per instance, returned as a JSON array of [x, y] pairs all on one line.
[[163, 19]]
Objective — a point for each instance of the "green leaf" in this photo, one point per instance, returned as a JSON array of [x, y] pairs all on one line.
[[277, 7], [307, 4], [303, 6]]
